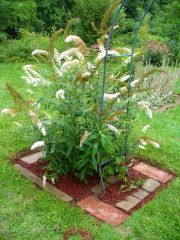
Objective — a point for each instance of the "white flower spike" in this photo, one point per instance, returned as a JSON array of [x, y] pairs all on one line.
[[141, 147], [145, 128], [40, 52], [108, 96], [113, 129], [60, 94], [37, 144]]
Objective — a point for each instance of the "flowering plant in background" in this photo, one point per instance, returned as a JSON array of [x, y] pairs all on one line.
[[76, 135]]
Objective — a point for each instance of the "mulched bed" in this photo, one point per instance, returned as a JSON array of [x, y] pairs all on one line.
[[68, 184], [79, 190], [113, 192]]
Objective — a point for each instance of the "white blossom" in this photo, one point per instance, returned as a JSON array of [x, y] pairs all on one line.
[[73, 38], [113, 129], [145, 105], [40, 52], [53, 180], [41, 128], [100, 56], [68, 54], [30, 91], [143, 142], [134, 83], [56, 57], [112, 77], [33, 77], [105, 36], [18, 124], [123, 89], [44, 179], [141, 147], [56, 70], [155, 144], [124, 78], [115, 119], [90, 66], [8, 111], [127, 50], [86, 74], [60, 94], [108, 96], [145, 128], [69, 64], [113, 53], [149, 112], [37, 144], [116, 27]]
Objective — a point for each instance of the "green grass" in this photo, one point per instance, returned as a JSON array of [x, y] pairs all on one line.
[[27, 212]]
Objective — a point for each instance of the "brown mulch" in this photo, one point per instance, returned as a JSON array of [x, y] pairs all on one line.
[[83, 233]]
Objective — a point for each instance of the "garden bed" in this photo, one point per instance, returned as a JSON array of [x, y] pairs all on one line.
[[120, 198]]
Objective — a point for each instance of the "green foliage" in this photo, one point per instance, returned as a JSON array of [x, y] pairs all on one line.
[[52, 15], [166, 24], [15, 14], [20, 50], [88, 12]]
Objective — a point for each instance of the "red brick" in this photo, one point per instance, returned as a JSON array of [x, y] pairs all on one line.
[[103, 211], [153, 172]]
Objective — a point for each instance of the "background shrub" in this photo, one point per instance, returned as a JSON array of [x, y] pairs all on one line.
[[19, 50], [155, 52], [90, 11]]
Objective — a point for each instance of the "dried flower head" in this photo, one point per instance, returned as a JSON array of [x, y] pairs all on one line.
[[84, 137]]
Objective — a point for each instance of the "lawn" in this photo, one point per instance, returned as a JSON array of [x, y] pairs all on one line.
[[27, 212]]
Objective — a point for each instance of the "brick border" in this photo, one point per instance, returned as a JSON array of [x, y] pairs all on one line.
[[38, 181], [113, 215]]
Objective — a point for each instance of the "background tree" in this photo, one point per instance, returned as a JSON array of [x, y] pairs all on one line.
[[14, 15], [52, 14]]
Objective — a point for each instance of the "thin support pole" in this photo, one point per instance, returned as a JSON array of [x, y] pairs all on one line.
[[106, 57], [126, 145]]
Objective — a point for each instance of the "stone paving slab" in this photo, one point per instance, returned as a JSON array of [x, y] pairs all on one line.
[[153, 172], [102, 210], [151, 185], [112, 179], [96, 190], [32, 158], [38, 181], [128, 203], [141, 194]]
